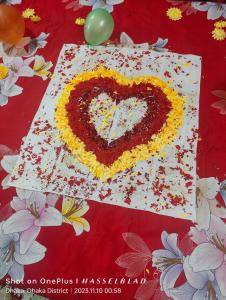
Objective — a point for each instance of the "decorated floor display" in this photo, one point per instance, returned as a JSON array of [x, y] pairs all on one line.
[[117, 126]]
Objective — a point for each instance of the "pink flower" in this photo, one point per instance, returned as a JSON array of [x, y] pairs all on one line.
[[210, 254], [31, 214], [134, 261], [17, 68]]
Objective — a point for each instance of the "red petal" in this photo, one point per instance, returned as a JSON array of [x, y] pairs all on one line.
[[219, 93], [147, 290], [134, 262], [220, 105], [136, 243]]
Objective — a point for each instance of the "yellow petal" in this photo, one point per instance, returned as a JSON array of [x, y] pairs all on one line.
[[67, 204], [81, 225]]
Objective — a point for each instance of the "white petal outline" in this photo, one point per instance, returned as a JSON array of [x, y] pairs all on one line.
[[49, 217], [220, 278], [198, 236], [34, 254], [16, 62], [5, 181], [202, 213], [4, 267], [217, 227], [214, 12], [23, 194], [18, 204], [51, 199], [170, 242], [16, 271], [169, 277], [3, 100], [216, 210], [126, 40], [8, 162], [162, 253], [38, 199], [27, 237], [15, 90], [5, 239], [114, 2], [201, 7], [19, 221], [26, 71], [206, 257], [197, 280], [39, 61], [184, 291], [28, 61], [200, 294], [209, 187], [87, 2]]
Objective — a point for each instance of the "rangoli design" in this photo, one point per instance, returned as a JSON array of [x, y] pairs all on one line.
[[96, 144]]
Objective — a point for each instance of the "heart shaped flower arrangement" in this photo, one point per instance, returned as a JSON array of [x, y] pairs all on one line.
[[110, 122]]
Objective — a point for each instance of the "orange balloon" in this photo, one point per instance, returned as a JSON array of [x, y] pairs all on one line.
[[12, 25]]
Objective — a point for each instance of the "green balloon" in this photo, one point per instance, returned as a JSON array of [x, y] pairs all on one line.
[[99, 25]]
